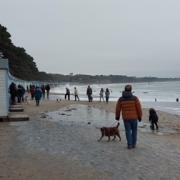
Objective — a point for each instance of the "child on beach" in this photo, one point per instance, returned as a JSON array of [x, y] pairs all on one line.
[[153, 119]]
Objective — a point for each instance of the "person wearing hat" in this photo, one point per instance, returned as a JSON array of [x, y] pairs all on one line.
[[130, 107]]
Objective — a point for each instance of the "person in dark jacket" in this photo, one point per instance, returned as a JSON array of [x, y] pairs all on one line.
[[13, 92], [153, 119], [32, 91], [38, 95], [20, 93], [67, 95], [89, 93], [47, 87], [107, 94], [43, 91], [131, 110]]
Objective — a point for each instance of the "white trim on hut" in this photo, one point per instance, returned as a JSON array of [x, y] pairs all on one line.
[[4, 97]]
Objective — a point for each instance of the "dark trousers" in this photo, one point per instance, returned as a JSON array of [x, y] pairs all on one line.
[[107, 99], [37, 102], [67, 95], [90, 97], [13, 97], [76, 97], [47, 94], [152, 125]]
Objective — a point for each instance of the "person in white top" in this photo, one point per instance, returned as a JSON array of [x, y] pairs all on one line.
[[101, 94], [76, 94]]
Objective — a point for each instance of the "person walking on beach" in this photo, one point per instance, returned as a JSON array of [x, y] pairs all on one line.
[[67, 94], [13, 92], [32, 91], [76, 94], [20, 93], [101, 94], [38, 95], [153, 119], [131, 110], [47, 87], [89, 93], [43, 90], [107, 94]]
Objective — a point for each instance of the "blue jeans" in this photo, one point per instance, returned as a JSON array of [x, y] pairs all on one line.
[[131, 132]]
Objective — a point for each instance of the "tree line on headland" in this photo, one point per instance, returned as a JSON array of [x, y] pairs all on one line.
[[22, 65]]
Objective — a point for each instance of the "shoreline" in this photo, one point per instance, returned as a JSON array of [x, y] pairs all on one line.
[[171, 107]]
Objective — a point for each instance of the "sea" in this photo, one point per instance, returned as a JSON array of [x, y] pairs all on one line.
[[162, 96]]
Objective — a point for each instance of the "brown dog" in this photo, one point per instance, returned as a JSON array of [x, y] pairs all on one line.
[[110, 131]]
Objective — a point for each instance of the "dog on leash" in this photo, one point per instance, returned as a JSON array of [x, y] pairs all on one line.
[[110, 131]]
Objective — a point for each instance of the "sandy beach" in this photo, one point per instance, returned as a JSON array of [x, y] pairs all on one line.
[[59, 147]]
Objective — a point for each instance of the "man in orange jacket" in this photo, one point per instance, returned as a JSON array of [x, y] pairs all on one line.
[[131, 110]]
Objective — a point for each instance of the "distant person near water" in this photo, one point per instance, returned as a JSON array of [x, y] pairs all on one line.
[[131, 110], [47, 87], [43, 91], [107, 94], [101, 94], [153, 119], [67, 95], [76, 94], [38, 95], [89, 94]]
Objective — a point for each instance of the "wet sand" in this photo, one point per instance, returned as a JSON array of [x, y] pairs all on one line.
[[55, 147]]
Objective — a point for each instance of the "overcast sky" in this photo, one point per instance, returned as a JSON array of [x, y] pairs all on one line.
[[129, 37]]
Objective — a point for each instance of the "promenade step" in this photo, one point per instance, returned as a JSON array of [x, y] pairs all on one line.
[[17, 117], [16, 108], [16, 105]]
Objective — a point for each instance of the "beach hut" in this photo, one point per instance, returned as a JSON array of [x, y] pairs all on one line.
[[4, 97]]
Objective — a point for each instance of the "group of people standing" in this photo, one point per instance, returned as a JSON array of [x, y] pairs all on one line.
[[39, 92], [89, 93], [19, 94], [106, 93], [68, 94], [102, 93]]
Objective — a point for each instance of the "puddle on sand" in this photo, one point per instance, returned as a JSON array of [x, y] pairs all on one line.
[[83, 114], [76, 116], [145, 127]]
